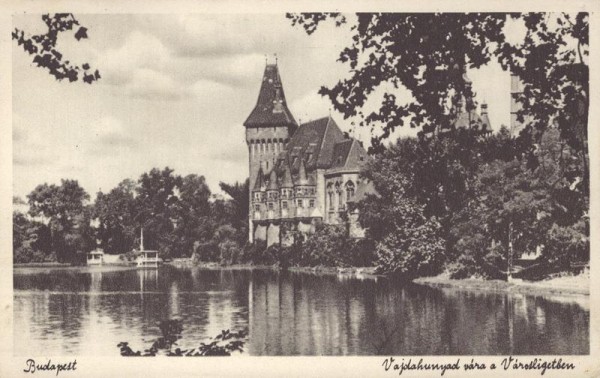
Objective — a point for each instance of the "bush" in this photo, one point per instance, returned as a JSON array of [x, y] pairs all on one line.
[[567, 244], [229, 252]]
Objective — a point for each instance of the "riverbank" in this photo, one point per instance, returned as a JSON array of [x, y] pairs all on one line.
[[300, 269], [565, 285]]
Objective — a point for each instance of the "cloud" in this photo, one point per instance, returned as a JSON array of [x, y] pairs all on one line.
[[154, 85], [109, 132], [29, 145], [310, 106], [217, 36], [139, 51]]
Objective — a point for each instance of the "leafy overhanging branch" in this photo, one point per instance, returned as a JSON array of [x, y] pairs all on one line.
[[44, 51]]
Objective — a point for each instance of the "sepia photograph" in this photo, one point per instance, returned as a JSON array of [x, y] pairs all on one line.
[[389, 185]]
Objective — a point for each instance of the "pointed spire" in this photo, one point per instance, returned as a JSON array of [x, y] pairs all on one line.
[[271, 107], [258, 184], [287, 176], [302, 179], [273, 180]]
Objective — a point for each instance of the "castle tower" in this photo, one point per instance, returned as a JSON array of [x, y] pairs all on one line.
[[268, 129]]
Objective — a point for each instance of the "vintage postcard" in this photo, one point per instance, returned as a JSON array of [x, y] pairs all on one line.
[[299, 189]]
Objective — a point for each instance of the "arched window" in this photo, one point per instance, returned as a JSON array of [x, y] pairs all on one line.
[[350, 188], [338, 190], [330, 195]]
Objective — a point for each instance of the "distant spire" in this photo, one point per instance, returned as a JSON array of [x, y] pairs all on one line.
[[302, 179], [259, 179], [273, 180], [287, 176], [275, 58]]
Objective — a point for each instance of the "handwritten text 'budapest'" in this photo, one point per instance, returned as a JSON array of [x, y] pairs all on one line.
[[31, 366]]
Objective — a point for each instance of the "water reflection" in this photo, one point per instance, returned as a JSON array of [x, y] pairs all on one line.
[[89, 311]]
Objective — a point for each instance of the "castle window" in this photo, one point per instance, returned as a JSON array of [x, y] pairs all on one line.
[[270, 205], [300, 203], [311, 203], [349, 190], [257, 207], [339, 192], [284, 205], [330, 195]]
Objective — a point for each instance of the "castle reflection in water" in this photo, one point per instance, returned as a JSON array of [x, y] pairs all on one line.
[[89, 311]]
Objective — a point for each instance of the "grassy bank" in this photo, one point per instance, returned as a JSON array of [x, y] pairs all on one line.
[[569, 285]]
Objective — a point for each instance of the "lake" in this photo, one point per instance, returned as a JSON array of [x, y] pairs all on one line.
[[88, 311]]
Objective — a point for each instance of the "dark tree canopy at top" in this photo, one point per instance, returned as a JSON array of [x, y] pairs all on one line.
[[44, 51], [428, 53]]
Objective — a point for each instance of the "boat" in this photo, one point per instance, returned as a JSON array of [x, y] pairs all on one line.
[[95, 257], [147, 258]]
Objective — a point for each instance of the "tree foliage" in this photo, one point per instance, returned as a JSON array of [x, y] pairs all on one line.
[[427, 55], [43, 47], [65, 210], [482, 198], [408, 242]]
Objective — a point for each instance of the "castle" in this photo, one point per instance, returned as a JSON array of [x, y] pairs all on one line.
[[300, 175]]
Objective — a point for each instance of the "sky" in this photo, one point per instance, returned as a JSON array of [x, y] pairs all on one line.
[[175, 91]]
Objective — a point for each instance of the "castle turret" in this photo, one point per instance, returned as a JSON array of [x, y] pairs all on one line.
[[268, 127]]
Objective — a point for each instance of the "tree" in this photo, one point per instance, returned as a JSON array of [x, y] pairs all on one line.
[[157, 204], [194, 223], [408, 242], [31, 240], [64, 208], [517, 210], [428, 53], [43, 47], [239, 207], [424, 53], [115, 212]]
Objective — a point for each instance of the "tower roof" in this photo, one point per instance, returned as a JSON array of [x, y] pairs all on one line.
[[302, 178], [271, 107], [287, 176]]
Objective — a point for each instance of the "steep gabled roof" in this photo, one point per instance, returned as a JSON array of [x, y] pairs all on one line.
[[271, 106], [349, 154], [333, 135], [313, 142]]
